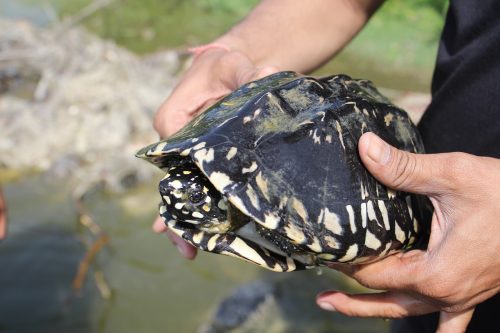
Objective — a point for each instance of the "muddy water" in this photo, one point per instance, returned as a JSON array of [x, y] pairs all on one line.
[[152, 288]]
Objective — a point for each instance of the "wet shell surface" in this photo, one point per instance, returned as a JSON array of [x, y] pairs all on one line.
[[271, 174]]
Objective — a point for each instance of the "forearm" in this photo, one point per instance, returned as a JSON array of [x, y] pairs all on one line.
[[298, 35]]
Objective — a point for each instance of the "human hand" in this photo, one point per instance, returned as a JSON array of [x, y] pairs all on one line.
[[3, 216], [460, 267], [213, 74]]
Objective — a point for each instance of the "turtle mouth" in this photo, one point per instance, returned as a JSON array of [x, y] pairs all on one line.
[[244, 242]]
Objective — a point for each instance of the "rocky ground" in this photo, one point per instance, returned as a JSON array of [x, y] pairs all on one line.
[[76, 106]]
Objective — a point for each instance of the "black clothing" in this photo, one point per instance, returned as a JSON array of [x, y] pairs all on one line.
[[465, 111], [486, 319], [465, 114]]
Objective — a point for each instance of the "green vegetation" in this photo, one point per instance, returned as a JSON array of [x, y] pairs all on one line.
[[149, 25], [398, 47]]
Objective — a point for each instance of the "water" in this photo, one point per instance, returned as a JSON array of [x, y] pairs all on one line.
[[153, 289]]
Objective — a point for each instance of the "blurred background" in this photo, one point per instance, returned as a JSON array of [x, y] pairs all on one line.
[[80, 81]]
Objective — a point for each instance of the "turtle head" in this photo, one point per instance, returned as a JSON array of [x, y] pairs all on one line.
[[189, 197]]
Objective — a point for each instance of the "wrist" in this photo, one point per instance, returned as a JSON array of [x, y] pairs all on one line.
[[238, 44], [199, 50]]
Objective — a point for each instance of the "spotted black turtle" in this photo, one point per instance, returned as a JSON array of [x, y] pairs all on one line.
[[271, 174]]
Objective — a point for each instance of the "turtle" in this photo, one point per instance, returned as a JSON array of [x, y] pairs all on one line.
[[271, 174]]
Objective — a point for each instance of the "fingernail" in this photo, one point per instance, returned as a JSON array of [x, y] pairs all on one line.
[[326, 306], [378, 150]]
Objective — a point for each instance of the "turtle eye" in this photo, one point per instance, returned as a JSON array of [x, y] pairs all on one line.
[[196, 196]]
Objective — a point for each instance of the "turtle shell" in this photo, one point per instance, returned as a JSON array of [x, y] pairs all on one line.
[[283, 151]]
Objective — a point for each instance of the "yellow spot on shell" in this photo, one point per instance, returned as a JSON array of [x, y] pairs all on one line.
[[400, 235], [251, 168], [315, 246], [385, 215], [200, 145], [331, 242], [326, 256], [212, 243], [339, 130], [331, 221], [220, 180], [298, 206], [363, 214], [167, 200], [197, 215], [388, 118], [176, 184], [352, 221], [253, 197], [350, 254], [185, 152], [271, 220], [204, 155], [290, 264], [157, 150], [372, 241], [197, 238], [231, 153], [247, 252], [371, 212], [294, 233], [262, 185]]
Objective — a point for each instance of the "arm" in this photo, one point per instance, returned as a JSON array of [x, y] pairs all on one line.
[[298, 35], [276, 35]]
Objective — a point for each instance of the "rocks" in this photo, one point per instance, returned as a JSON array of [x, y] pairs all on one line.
[[284, 304], [75, 106]]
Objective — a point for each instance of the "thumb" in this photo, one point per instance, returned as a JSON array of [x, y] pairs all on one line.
[[401, 170]]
